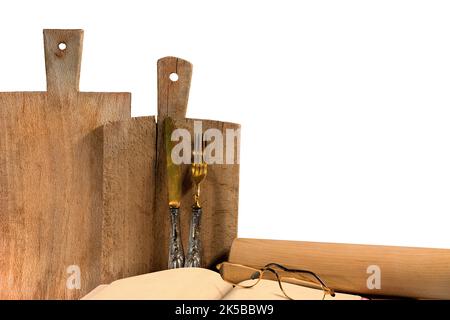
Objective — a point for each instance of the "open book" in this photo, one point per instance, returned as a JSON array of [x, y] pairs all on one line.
[[198, 284]]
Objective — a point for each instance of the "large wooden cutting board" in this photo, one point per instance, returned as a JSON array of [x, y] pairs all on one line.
[[51, 182]]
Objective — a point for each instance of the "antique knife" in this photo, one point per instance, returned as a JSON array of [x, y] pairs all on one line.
[[176, 255]]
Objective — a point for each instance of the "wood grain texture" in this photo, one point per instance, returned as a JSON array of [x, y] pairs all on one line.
[[219, 190], [219, 198], [129, 157], [405, 272], [173, 95], [51, 178]]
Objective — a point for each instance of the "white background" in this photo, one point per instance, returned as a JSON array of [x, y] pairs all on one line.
[[344, 105]]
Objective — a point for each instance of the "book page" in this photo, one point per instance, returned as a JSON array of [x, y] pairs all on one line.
[[176, 284]]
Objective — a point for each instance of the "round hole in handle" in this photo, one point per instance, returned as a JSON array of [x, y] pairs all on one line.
[[173, 76], [62, 46]]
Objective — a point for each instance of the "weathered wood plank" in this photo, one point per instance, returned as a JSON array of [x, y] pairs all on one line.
[[129, 155]]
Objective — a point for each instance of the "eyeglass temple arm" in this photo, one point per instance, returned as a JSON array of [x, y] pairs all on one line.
[[300, 271], [278, 279]]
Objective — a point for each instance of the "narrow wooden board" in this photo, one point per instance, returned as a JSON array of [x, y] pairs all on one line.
[[405, 272], [129, 158], [219, 191], [173, 96], [51, 178]]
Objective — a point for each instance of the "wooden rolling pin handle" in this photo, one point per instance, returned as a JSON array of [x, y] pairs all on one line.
[[174, 82], [63, 50]]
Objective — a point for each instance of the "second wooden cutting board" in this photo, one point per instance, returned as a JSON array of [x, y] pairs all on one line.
[[51, 170]]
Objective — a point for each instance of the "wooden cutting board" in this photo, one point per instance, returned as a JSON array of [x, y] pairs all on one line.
[[136, 231], [220, 189], [136, 218], [51, 178], [129, 154]]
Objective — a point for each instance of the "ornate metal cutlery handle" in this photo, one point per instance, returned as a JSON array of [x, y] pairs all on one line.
[[176, 255], [194, 258]]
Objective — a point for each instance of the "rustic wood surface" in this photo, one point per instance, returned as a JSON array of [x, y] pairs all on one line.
[[129, 157], [405, 272], [51, 178], [173, 96], [219, 199], [82, 183], [219, 190]]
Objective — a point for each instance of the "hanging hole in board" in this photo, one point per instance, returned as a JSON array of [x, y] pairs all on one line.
[[62, 46], [173, 76]]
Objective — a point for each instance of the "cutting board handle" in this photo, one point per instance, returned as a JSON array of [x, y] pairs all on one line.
[[174, 82], [63, 49]]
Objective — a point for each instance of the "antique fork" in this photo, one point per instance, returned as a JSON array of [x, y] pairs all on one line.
[[199, 170]]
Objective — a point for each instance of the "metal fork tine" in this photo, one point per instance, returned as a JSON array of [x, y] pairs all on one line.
[[205, 143], [204, 157], [201, 147], [199, 144], [196, 151]]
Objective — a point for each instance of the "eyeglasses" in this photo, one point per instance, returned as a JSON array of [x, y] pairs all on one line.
[[248, 277]]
